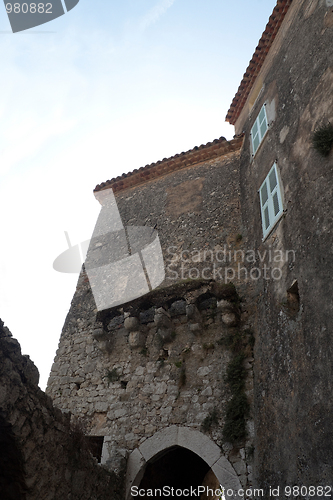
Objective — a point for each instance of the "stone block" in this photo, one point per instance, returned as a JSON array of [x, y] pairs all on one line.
[[178, 308], [207, 392], [116, 322], [229, 319], [195, 327], [135, 470], [131, 324], [240, 467], [100, 406], [250, 428], [140, 370], [160, 388], [192, 313], [224, 306], [150, 429], [99, 334], [120, 413], [162, 319], [227, 477], [165, 334], [203, 371], [209, 303], [159, 442], [147, 316], [199, 444], [243, 480], [136, 339]]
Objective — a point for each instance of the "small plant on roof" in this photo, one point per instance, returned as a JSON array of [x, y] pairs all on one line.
[[322, 139]]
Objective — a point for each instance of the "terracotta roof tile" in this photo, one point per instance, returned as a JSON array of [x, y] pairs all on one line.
[[209, 151], [257, 60]]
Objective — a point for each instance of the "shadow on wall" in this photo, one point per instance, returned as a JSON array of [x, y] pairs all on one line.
[[12, 484]]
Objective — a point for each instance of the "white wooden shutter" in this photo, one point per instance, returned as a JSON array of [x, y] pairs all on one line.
[[259, 129], [270, 201]]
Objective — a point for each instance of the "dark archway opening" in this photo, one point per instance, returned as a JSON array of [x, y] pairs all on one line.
[[12, 484], [176, 468]]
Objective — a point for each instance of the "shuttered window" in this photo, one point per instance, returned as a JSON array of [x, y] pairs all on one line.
[[259, 129], [270, 201]]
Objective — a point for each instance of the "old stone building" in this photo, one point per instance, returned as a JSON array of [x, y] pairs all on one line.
[[149, 375], [153, 376], [214, 368]]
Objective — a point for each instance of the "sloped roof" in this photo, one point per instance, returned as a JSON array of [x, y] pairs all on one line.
[[257, 60], [205, 152]]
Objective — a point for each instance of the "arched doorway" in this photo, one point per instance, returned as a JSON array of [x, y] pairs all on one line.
[[173, 439], [175, 467]]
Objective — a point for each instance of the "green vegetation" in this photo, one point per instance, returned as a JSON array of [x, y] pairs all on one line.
[[235, 424], [182, 378], [238, 341], [236, 374], [208, 347], [237, 410], [112, 376], [211, 419]]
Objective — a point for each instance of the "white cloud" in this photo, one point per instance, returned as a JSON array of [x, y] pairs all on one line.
[[154, 14]]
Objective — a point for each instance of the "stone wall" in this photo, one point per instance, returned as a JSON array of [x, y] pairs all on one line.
[[156, 362], [196, 211], [42, 455], [293, 352], [159, 361], [156, 365]]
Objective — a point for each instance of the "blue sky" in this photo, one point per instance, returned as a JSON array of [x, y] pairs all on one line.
[[106, 88]]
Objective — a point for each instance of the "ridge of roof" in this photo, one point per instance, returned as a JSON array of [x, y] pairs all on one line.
[[257, 60], [211, 150]]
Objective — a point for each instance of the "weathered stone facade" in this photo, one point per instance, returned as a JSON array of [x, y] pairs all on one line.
[[293, 322], [158, 362], [152, 376], [155, 362]]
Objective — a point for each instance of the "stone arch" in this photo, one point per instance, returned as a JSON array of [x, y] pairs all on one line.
[[193, 440]]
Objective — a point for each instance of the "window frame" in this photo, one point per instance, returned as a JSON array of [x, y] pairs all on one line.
[[257, 123], [273, 196]]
